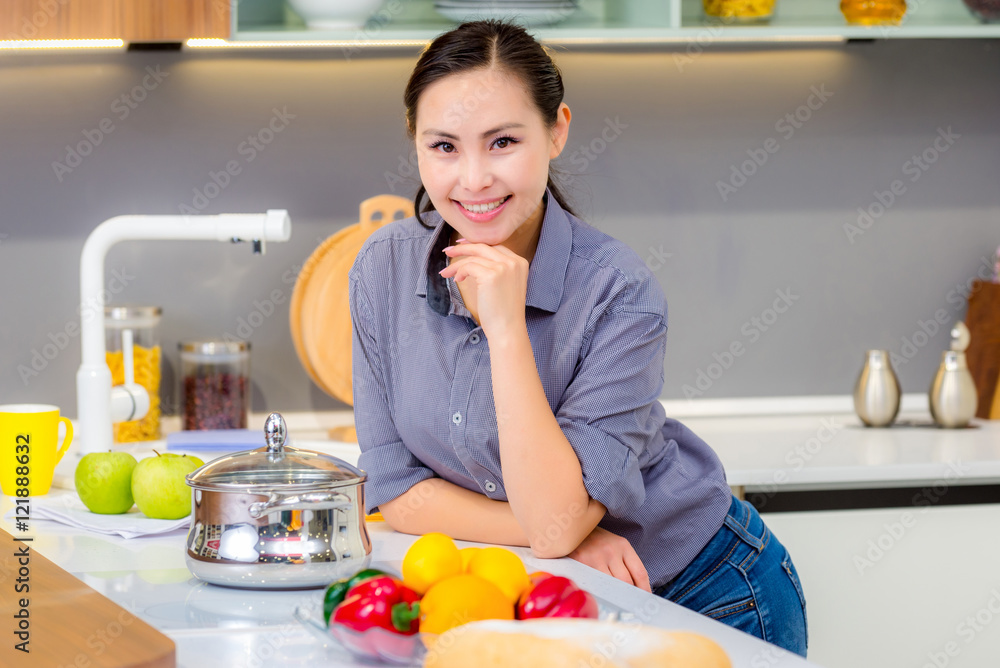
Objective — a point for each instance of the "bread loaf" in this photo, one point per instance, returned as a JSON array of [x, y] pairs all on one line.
[[571, 643]]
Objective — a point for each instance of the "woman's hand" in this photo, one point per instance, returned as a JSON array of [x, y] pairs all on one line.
[[612, 554], [501, 284]]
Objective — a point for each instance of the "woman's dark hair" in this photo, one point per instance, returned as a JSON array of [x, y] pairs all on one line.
[[482, 45]]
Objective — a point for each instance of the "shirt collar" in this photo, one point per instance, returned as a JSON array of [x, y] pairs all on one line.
[[546, 275]]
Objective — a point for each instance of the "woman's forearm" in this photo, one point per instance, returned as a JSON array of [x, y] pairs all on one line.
[[541, 471], [438, 505]]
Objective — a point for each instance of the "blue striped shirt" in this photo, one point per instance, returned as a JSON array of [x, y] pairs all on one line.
[[423, 398]]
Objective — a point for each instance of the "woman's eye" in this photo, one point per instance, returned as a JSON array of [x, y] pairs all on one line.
[[504, 142], [443, 146]]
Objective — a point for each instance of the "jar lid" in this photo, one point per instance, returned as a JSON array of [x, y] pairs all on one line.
[[213, 347], [132, 316], [275, 467]]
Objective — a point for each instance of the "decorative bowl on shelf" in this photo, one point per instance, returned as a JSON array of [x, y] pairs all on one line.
[[739, 11], [335, 14], [987, 11]]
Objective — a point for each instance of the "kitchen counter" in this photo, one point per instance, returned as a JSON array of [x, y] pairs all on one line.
[[217, 626], [774, 445]]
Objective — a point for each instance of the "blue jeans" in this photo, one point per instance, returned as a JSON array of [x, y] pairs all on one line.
[[745, 578]]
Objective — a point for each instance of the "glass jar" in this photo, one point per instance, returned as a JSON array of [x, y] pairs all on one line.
[[138, 325], [987, 11], [739, 11], [215, 384], [873, 12]]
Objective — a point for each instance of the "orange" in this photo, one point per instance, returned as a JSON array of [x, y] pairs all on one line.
[[467, 554], [461, 599], [503, 568], [431, 558]]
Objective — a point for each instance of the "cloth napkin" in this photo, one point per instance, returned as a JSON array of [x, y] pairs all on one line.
[[69, 509]]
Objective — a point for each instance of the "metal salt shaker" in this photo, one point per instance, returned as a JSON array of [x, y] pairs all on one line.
[[952, 397], [877, 394]]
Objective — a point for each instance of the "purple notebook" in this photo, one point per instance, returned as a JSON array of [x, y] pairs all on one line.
[[216, 440]]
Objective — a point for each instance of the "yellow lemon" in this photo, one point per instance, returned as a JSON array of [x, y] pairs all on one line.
[[431, 558], [461, 599], [503, 568], [467, 554]]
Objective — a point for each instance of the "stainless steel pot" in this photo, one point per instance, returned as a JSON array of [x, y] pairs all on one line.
[[277, 517]]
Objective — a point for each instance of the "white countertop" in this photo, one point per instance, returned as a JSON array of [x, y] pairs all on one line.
[[216, 626], [794, 444], [814, 445]]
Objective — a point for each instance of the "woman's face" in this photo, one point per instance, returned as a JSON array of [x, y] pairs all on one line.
[[483, 153]]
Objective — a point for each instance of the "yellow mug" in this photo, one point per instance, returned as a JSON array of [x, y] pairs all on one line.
[[29, 447]]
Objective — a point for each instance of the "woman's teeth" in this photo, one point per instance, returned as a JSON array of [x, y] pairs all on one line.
[[484, 208]]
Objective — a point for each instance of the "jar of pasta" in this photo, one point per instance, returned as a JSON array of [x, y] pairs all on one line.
[[138, 327], [873, 12], [739, 11], [215, 384]]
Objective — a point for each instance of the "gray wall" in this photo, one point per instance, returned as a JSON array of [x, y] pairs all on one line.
[[683, 127]]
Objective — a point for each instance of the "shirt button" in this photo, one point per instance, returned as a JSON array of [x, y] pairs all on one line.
[[490, 486], [474, 338], [457, 418]]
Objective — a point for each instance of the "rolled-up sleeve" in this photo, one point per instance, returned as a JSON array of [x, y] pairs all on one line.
[[391, 467], [606, 410]]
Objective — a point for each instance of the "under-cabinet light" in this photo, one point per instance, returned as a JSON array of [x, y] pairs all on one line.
[[62, 44], [215, 43]]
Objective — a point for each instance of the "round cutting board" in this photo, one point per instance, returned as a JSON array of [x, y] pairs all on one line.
[[320, 310]]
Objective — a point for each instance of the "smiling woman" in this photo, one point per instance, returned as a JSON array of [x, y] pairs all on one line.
[[508, 360]]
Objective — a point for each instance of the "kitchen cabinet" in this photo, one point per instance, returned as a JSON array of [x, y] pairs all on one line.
[[619, 22], [128, 20]]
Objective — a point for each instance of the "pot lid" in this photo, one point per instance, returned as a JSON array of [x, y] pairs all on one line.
[[275, 467]]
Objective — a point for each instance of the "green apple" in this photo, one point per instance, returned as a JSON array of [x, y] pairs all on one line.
[[104, 482], [159, 488]]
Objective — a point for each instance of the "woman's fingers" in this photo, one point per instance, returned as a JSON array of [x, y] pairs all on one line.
[[637, 569], [473, 266]]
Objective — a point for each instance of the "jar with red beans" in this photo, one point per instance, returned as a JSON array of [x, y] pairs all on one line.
[[215, 384]]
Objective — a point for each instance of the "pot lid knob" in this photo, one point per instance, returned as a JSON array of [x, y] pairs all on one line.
[[274, 432]]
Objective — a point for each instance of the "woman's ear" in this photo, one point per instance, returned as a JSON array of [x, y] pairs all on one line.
[[560, 131]]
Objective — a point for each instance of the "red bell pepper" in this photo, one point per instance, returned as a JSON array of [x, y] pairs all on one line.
[[555, 596], [382, 602]]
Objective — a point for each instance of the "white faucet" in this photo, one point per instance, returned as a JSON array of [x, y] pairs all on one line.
[[98, 403]]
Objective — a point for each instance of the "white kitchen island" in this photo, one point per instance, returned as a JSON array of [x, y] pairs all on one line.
[[903, 602], [219, 627]]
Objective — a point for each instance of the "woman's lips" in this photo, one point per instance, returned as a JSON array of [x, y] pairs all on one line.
[[483, 217]]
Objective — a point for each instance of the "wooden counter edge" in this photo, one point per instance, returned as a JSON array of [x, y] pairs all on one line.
[[69, 622]]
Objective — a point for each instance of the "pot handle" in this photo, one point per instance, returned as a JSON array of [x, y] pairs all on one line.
[[306, 501]]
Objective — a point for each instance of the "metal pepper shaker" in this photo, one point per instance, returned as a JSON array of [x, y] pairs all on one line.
[[952, 396], [877, 394]]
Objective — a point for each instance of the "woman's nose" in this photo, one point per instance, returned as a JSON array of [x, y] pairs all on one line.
[[476, 173]]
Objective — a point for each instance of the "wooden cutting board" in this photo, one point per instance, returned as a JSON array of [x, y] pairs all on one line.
[[69, 623], [983, 353], [320, 310]]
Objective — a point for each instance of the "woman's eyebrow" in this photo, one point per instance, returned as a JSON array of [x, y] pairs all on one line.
[[448, 135]]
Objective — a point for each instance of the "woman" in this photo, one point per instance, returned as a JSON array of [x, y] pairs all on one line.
[[508, 360]]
